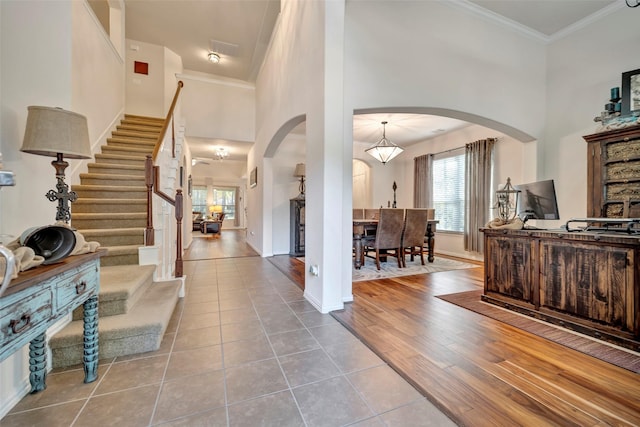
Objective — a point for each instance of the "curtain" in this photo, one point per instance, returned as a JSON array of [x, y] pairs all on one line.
[[422, 181], [478, 171]]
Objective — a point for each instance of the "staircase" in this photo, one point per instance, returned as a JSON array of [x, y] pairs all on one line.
[[112, 210]]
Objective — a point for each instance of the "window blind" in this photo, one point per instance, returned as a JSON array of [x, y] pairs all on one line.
[[448, 191]]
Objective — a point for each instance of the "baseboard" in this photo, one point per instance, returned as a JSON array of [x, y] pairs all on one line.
[[20, 391]]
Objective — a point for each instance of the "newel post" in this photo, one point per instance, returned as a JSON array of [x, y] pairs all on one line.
[[179, 209], [148, 180]]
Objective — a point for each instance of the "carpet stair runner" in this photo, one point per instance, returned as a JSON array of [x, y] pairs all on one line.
[[112, 209]]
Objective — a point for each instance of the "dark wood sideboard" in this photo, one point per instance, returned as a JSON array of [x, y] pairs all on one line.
[[584, 281]]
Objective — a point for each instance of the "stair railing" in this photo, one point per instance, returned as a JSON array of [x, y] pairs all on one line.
[[152, 174]]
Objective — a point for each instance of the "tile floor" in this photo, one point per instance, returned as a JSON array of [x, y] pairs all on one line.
[[243, 349]]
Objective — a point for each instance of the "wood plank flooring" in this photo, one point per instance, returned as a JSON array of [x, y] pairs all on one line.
[[480, 371]]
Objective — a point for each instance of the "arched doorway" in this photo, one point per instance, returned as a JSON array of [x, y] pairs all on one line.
[[361, 184]]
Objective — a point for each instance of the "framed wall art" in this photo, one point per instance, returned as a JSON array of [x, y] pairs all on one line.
[[253, 178], [631, 92]]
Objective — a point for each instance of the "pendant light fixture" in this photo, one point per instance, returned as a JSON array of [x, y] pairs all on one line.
[[384, 150]]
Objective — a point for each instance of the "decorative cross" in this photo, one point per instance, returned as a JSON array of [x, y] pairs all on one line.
[[63, 195], [395, 187]]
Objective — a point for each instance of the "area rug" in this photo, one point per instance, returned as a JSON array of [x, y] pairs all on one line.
[[390, 268], [609, 353]]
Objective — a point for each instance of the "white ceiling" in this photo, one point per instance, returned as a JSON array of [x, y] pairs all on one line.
[[188, 28]]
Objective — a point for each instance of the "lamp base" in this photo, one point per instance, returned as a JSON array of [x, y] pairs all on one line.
[[62, 195]]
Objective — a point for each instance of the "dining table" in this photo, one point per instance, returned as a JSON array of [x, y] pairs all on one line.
[[364, 227]]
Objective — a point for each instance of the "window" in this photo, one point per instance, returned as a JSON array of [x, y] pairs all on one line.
[[448, 191], [225, 197], [199, 199]]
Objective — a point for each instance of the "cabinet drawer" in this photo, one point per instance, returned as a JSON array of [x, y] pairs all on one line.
[[76, 286], [21, 316]]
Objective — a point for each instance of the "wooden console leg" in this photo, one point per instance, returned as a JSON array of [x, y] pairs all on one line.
[[90, 356], [38, 363]]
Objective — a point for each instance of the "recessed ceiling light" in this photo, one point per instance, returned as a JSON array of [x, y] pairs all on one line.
[[214, 57]]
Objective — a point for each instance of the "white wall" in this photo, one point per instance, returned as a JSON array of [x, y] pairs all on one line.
[[218, 108], [381, 176], [52, 54], [582, 68], [145, 92], [172, 68]]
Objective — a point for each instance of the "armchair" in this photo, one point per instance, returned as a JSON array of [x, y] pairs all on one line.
[[197, 218], [212, 226]]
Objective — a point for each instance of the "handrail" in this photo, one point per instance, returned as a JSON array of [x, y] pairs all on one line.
[[152, 174], [163, 132]]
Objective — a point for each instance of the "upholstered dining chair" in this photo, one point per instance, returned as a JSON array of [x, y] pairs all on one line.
[[415, 226], [388, 237]]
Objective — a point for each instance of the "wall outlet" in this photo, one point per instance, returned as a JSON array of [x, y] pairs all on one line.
[[314, 270]]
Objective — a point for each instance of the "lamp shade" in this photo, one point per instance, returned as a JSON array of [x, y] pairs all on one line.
[[50, 131], [384, 150], [300, 170]]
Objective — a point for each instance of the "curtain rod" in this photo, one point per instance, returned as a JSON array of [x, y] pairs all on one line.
[[456, 148], [447, 151]]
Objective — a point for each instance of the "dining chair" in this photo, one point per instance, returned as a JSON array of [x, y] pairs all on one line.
[[415, 227], [388, 237]]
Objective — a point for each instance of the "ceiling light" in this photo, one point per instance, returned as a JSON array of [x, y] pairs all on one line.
[[214, 57], [221, 153], [384, 150]]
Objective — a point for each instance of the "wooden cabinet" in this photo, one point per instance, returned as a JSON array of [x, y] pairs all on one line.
[[511, 275], [613, 173], [296, 217], [587, 282]]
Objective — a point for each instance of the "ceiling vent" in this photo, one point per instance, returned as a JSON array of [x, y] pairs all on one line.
[[228, 49]]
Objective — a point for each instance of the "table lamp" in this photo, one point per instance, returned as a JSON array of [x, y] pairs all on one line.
[[215, 210], [58, 133], [300, 173]]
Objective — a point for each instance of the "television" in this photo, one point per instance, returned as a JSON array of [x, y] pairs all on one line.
[[537, 200]]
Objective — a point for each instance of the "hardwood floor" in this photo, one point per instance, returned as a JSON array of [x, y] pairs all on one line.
[[480, 371], [228, 244]]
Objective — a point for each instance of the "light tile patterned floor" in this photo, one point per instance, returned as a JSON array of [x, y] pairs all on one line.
[[243, 349]]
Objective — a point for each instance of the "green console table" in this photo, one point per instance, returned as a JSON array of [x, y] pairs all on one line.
[[38, 298]]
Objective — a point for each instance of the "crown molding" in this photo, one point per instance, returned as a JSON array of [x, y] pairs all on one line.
[[467, 6], [596, 16], [486, 14]]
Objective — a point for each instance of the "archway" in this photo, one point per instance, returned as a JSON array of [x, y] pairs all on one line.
[[361, 192]]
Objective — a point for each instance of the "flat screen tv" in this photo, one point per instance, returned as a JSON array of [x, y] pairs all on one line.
[[537, 200]]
